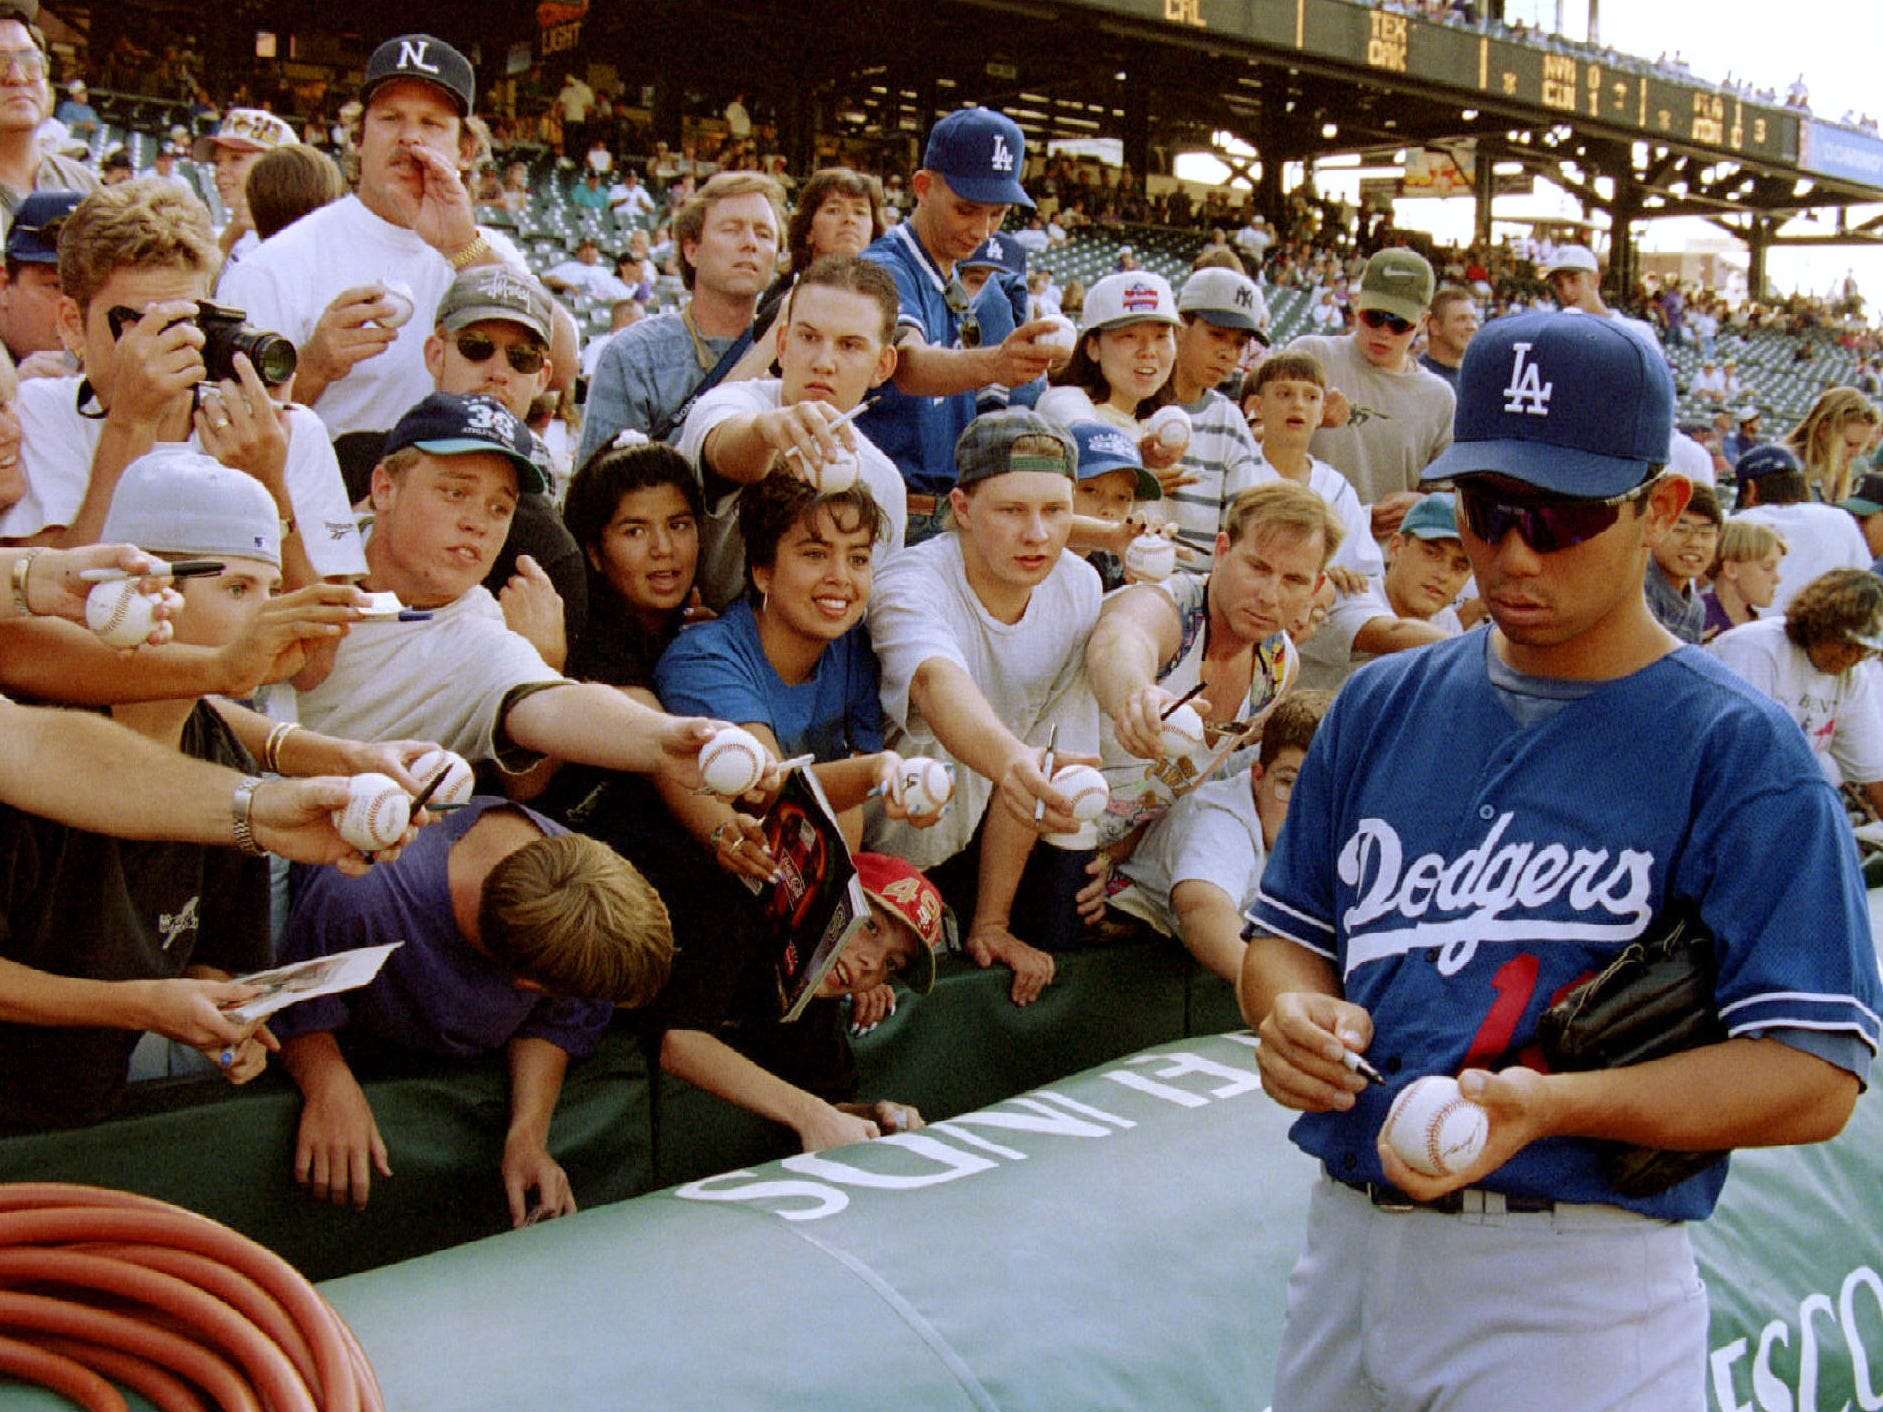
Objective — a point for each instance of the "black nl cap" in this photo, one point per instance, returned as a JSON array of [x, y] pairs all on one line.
[[429, 60]]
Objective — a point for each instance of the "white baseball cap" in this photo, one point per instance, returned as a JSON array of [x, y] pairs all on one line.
[[1132, 297], [1226, 298], [1572, 257]]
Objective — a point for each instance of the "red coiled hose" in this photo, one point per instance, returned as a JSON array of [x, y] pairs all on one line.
[[98, 1284]]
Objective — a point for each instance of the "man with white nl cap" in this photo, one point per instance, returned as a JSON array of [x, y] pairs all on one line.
[[1495, 818]]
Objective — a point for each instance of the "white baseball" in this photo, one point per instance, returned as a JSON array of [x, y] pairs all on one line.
[[1062, 335], [119, 614], [1434, 1128], [377, 812], [732, 761], [458, 784], [1181, 734], [923, 786], [1151, 557], [1171, 426], [1086, 788], [399, 294], [837, 473]]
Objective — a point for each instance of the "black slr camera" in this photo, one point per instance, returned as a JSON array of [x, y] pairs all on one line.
[[226, 332]]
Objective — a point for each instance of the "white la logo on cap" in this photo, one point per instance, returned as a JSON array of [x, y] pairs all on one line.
[[1002, 160], [412, 56], [1527, 392]]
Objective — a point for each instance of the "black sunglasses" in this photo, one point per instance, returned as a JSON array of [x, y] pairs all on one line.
[[1379, 318], [1545, 523], [522, 357], [955, 295]]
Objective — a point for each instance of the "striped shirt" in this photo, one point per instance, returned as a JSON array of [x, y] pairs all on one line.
[[1224, 459]]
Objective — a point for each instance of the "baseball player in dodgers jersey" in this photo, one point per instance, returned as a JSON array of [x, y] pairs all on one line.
[[1481, 824]]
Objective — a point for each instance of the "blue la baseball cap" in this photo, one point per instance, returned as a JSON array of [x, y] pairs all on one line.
[[997, 252], [980, 154], [1773, 458], [1566, 402], [1103, 448], [1435, 517]]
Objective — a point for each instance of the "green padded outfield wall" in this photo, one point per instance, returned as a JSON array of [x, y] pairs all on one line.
[[1119, 1239]]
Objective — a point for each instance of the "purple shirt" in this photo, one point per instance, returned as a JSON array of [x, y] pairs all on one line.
[[435, 994]]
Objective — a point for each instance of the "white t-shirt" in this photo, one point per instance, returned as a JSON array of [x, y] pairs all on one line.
[[1212, 835], [289, 280], [1032, 673], [57, 446], [442, 680], [722, 550], [1359, 550], [1328, 658], [596, 281], [1838, 714], [1818, 538]]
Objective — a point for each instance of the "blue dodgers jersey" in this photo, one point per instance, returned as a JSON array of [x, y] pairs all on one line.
[[918, 433], [1461, 871]]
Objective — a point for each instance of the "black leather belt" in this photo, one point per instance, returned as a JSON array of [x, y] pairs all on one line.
[[1452, 1203]]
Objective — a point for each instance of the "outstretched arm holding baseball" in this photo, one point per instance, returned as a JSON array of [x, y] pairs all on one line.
[[1137, 629], [1740, 1093], [593, 724]]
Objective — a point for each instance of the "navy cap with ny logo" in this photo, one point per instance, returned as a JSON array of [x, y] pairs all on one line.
[[1571, 403], [429, 60], [981, 154]]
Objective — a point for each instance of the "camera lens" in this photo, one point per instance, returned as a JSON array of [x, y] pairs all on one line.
[[273, 356]]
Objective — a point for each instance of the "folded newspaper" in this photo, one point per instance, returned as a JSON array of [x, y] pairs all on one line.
[[817, 904], [303, 980]]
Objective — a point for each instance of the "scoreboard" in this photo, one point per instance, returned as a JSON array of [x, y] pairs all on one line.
[[1644, 106]]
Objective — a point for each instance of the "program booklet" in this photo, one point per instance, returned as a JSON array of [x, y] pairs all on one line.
[[303, 980], [817, 904]]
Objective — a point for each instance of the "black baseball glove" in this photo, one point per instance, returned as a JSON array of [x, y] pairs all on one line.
[[1655, 999]]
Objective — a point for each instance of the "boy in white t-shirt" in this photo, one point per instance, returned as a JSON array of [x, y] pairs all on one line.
[[981, 635], [1817, 663], [443, 495], [1426, 570], [1197, 870], [833, 348], [146, 248], [1291, 391]]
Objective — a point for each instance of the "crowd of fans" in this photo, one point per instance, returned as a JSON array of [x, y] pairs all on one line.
[[861, 492]]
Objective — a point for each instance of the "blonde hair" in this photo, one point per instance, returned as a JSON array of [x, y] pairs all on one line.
[[1746, 541], [1284, 508], [574, 916], [1815, 439], [143, 225]]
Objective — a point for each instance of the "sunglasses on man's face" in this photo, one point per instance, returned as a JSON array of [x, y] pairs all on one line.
[[525, 358], [1379, 318], [1545, 523]]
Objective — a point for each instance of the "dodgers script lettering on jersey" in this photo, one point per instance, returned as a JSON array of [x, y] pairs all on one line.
[[1503, 889]]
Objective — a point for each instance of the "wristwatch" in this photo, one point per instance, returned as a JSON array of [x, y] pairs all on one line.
[[467, 255], [241, 816]]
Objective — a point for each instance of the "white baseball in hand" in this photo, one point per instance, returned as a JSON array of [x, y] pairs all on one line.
[[1434, 1128], [1085, 787], [1151, 557], [119, 614], [397, 293], [923, 786], [732, 762], [1181, 733], [836, 474], [1171, 426], [1062, 335], [459, 782], [377, 812]]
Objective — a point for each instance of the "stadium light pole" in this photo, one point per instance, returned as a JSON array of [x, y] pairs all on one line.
[[1595, 21]]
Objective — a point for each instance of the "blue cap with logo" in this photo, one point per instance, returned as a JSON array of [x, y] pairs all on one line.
[[997, 252], [980, 154], [1103, 448], [1434, 517], [447, 424], [1572, 405], [1774, 458], [33, 238]]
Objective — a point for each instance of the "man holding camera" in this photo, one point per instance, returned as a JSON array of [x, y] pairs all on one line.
[[135, 261], [328, 281]]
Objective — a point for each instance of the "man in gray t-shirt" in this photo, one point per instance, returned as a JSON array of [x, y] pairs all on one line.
[[1386, 417]]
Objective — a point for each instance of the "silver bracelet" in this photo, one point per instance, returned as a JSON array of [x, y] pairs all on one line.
[[242, 812]]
